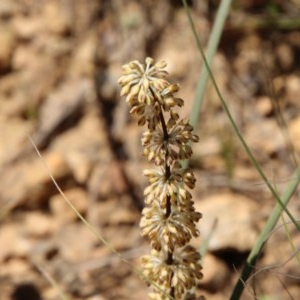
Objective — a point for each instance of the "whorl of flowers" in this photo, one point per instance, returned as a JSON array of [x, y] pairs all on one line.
[[169, 218]]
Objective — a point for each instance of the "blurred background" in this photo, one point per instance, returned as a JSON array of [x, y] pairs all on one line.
[[59, 65]]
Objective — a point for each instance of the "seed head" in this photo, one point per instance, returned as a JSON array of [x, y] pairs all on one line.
[[169, 218]]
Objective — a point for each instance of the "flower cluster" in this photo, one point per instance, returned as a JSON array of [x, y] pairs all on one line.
[[169, 218], [182, 273]]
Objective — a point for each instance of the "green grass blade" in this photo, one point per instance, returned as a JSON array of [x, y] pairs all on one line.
[[213, 43], [256, 250], [211, 50]]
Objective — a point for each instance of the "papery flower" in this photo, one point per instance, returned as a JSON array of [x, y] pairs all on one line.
[[146, 114], [160, 186], [167, 232], [180, 136], [167, 100], [176, 145], [159, 182], [181, 275], [143, 82], [159, 296], [180, 197]]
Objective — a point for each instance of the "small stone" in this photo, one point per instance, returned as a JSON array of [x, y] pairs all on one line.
[[292, 86], [269, 133], [83, 63], [294, 130], [215, 273], [285, 56], [14, 267], [13, 135], [38, 224], [264, 105], [228, 221], [8, 43], [56, 20], [8, 8], [27, 27], [62, 211], [75, 242], [34, 184], [18, 245]]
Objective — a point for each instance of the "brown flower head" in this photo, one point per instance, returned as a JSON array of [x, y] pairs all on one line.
[[143, 82], [169, 219], [176, 145], [181, 275], [167, 232]]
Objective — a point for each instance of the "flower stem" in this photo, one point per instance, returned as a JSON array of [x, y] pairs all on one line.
[[169, 259]]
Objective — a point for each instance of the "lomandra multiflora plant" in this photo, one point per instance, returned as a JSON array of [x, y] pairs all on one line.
[[169, 217]]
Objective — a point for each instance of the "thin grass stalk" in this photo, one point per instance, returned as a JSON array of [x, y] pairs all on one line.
[[290, 239], [53, 282], [235, 127], [87, 224]]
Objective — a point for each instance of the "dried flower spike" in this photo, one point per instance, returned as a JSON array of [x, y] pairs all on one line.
[[169, 218]]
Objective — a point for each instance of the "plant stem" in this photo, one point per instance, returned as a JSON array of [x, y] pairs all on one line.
[[264, 235], [169, 259]]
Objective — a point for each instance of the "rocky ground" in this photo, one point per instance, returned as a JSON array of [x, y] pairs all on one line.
[[59, 65]]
